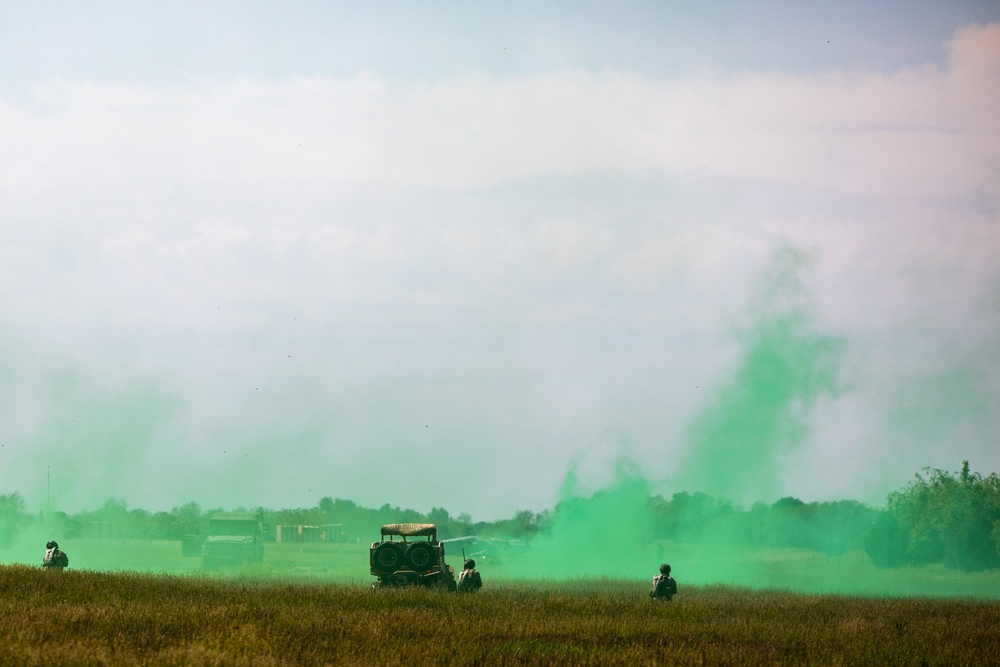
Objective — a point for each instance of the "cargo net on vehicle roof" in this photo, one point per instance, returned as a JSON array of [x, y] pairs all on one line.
[[410, 529]]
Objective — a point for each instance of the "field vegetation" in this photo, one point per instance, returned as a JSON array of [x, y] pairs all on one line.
[[802, 570], [128, 618], [946, 518], [786, 583]]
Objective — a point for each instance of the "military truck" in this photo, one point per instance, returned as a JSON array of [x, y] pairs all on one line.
[[410, 561], [234, 538]]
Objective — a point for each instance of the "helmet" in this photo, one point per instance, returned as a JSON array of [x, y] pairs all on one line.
[[51, 544], [470, 564], [664, 569]]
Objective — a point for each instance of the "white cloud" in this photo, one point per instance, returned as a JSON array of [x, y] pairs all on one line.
[[920, 131], [568, 247]]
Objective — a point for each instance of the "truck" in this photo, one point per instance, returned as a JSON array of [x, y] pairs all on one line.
[[234, 538], [410, 561]]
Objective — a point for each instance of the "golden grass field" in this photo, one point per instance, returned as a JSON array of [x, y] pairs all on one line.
[[797, 569], [88, 617]]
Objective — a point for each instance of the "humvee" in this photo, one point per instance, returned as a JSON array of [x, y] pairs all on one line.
[[234, 538], [412, 561]]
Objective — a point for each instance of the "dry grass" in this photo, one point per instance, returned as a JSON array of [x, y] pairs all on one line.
[[93, 618]]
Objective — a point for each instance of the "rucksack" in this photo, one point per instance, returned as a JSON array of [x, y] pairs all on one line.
[[467, 580], [55, 558], [663, 587]]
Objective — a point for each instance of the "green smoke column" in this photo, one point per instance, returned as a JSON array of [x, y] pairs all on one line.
[[733, 442], [607, 534], [784, 366]]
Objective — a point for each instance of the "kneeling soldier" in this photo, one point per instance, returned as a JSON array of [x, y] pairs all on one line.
[[664, 586], [55, 558], [468, 579]]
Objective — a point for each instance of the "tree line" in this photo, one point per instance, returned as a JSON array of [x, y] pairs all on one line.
[[939, 517]]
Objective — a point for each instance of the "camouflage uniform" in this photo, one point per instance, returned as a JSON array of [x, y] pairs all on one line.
[[54, 559], [664, 586], [469, 579]]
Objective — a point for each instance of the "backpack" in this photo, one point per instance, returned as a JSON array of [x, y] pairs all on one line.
[[467, 580], [55, 558], [662, 587]]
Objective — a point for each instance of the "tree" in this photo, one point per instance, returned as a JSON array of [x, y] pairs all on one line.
[[525, 524], [12, 512], [439, 516], [188, 520], [12, 506], [886, 541], [950, 518], [326, 507]]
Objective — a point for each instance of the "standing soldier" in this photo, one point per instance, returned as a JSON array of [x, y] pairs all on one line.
[[55, 558], [664, 586], [469, 580]]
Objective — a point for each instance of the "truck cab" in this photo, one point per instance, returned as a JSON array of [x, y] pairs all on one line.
[[234, 538]]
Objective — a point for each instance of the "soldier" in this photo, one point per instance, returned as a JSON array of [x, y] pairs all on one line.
[[55, 558], [664, 586], [469, 580]]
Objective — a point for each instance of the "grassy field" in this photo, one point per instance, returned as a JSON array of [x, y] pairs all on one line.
[[128, 618], [800, 570], [345, 563]]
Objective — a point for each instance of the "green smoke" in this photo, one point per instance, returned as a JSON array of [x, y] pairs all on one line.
[[733, 444], [785, 365], [610, 533]]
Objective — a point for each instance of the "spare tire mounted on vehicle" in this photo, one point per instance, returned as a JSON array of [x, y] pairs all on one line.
[[410, 561], [386, 557], [421, 556]]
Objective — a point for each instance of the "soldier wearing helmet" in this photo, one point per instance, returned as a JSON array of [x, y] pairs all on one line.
[[664, 586], [469, 580], [55, 558]]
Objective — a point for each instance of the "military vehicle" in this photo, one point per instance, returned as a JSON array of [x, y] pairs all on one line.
[[234, 538], [409, 562]]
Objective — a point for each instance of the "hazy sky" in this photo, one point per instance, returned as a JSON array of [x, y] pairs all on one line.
[[439, 254]]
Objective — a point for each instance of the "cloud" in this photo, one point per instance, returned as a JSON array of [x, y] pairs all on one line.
[[862, 133], [506, 266]]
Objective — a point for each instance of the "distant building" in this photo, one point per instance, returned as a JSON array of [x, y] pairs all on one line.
[[330, 532]]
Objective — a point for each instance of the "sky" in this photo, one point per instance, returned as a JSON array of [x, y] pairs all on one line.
[[451, 255]]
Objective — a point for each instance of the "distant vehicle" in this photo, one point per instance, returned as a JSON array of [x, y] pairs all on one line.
[[490, 549], [408, 562], [234, 538]]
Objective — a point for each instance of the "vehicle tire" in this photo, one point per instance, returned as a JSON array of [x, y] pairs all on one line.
[[387, 557], [421, 557]]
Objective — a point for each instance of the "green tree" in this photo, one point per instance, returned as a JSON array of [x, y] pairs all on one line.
[[12, 512], [188, 519], [886, 541], [950, 518], [12, 506]]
